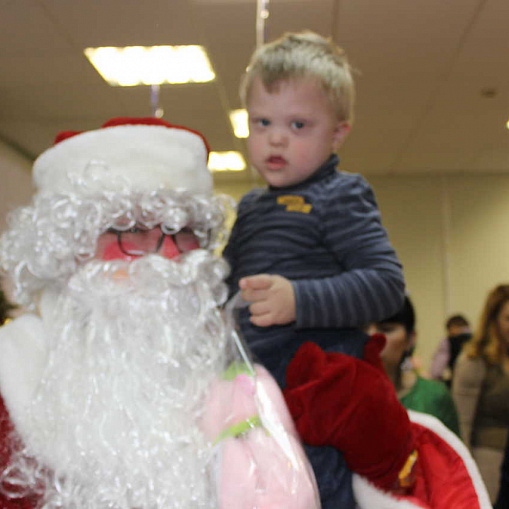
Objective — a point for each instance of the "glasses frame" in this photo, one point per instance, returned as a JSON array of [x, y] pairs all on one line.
[[159, 244]]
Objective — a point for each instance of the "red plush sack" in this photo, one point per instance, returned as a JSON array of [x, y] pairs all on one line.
[[350, 404]]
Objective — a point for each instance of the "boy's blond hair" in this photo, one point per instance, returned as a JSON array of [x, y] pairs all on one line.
[[302, 55]]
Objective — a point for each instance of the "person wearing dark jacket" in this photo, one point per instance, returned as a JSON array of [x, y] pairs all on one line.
[[503, 492]]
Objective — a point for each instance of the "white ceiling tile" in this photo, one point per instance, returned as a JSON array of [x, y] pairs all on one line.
[[422, 63]]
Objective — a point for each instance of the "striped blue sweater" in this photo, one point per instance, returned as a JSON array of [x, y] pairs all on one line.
[[325, 235]]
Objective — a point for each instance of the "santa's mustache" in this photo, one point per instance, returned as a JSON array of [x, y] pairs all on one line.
[[151, 276]]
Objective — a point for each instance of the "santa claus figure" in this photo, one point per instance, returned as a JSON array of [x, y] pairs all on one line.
[[123, 386]]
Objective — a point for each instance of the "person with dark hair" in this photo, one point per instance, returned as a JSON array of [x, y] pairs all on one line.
[[414, 391], [446, 354], [480, 387], [458, 321]]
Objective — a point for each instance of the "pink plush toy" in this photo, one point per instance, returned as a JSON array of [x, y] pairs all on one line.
[[261, 462]]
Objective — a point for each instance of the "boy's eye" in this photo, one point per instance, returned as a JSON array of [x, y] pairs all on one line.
[[263, 122], [298, 124]]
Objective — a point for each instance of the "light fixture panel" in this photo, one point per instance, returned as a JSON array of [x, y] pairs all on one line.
[[226, 161], [151, 65], [239, 121]]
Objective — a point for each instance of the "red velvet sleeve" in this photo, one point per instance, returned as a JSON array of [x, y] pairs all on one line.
[[5, 431]]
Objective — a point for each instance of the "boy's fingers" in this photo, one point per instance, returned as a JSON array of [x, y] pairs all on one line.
[[258, 282], [259, 308], [253, 295], [262, 320]]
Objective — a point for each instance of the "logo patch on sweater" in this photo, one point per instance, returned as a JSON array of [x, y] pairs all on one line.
[[294, 203]]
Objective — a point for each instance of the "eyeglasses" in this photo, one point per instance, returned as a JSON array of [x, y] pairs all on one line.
[[139, 241]]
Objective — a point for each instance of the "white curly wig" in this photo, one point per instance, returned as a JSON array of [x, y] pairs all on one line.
[[131, 171]]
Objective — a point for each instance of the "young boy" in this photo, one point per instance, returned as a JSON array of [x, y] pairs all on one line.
[[308, 252]]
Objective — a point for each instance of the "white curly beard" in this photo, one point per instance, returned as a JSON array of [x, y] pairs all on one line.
[[113, 423]]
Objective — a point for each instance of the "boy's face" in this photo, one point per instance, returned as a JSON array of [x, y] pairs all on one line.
[[293, 130]]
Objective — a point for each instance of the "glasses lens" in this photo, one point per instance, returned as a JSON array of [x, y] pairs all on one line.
[[140, 241], [186, 240]]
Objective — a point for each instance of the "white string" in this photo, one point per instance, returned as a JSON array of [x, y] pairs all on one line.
[[262, 14], [157, 112]]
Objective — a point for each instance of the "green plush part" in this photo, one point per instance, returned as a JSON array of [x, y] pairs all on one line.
[[241, 428], [235, 369]]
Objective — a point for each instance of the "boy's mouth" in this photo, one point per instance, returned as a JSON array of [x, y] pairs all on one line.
[[276, 162]]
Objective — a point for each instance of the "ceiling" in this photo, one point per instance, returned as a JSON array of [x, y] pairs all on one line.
[[432, 75]]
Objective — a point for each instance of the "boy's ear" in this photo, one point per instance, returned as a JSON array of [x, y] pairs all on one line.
[[340, 133]]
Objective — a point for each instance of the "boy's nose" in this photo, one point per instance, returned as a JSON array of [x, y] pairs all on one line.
[[277, 137]]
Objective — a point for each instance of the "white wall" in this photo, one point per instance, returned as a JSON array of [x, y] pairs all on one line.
[[15, 181], [15, 186], [452, 236]]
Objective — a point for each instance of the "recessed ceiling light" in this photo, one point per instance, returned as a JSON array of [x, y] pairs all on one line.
[[238, 119], [151, 65], [507, 124], [226, 161], [488, 92]]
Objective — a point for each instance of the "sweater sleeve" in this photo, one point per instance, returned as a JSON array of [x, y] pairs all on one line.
[[229, 255], [371, 284], [230, 251]]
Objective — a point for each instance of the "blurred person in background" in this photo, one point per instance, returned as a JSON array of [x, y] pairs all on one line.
[[480, 388], [446, 354], [503, 492], [414, 391]]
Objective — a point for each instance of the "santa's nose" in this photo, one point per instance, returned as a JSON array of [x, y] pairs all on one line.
[[169, 248]]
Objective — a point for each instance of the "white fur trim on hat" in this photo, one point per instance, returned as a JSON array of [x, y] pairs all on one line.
[[140, 157]]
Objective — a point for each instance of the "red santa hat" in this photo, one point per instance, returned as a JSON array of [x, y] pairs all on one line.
[[142, 153]]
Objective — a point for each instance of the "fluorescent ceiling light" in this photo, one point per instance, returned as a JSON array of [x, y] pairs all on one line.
[[226, 161], [507, 125], [238, 119], [151, 65]]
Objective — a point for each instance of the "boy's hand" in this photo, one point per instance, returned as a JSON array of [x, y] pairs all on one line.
[[272, 299]]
